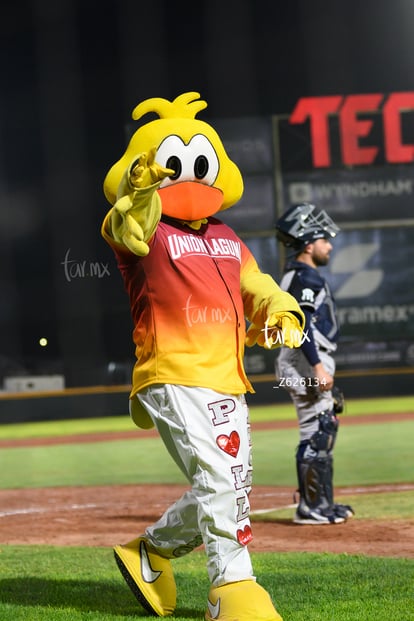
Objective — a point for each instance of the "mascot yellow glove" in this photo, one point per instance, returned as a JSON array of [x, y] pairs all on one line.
[[275, 315], [137, 211], [281, 328], [144, 170]]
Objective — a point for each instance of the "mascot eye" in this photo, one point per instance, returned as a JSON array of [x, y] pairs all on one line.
[[195, 161], [201, 167], [174, 163]]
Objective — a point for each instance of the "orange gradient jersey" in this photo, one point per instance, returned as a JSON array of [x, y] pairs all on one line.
[[188, 306]]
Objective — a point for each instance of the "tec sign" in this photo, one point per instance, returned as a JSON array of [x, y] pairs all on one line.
[[352, 111]]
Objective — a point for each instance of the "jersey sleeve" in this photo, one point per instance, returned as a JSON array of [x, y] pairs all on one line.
[[263, 298], [308, 345], [305, 286]]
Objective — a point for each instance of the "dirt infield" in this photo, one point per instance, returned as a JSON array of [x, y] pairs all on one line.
[[105, 516]]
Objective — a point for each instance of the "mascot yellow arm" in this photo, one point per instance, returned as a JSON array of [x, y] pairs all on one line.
[[276, 317], [133, 219]]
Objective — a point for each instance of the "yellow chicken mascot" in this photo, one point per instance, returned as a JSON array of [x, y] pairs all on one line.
[[192, 284]]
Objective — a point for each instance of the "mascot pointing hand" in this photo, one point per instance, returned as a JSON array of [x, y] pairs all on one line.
[[192, 284]]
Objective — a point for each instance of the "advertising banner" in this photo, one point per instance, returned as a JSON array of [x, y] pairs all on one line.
[[249, 143], [371, 270], [360, 196]]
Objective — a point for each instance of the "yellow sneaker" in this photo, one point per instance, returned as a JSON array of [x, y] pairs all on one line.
[[148, 575], [240, 601]]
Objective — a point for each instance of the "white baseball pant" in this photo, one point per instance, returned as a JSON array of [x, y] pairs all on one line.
[[295, 374], [208, 436]]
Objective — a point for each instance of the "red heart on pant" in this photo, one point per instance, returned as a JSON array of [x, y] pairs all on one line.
[[229, 444], [245, 535]]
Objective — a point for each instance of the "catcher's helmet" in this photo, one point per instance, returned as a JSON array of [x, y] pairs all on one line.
[[303, 224]]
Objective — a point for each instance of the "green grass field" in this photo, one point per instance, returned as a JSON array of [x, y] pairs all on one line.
[[44, 583], [46, 429], [71, 584]]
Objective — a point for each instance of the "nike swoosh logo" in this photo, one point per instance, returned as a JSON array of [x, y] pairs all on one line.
[[214, 610], [147, 572]]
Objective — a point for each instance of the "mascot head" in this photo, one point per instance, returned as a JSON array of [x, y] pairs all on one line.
[[205, 180]]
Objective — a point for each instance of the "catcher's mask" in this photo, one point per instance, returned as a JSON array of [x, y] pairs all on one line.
[[303, 224]]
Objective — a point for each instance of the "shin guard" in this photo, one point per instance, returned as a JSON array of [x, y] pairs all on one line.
[[314, 463]]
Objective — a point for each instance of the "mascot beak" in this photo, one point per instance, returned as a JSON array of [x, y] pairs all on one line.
[[190, 200]]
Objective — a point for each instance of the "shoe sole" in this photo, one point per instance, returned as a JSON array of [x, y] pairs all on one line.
[[310, 522], [134, 587]]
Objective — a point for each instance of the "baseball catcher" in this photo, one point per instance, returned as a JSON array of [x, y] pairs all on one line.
[[308, 372]]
